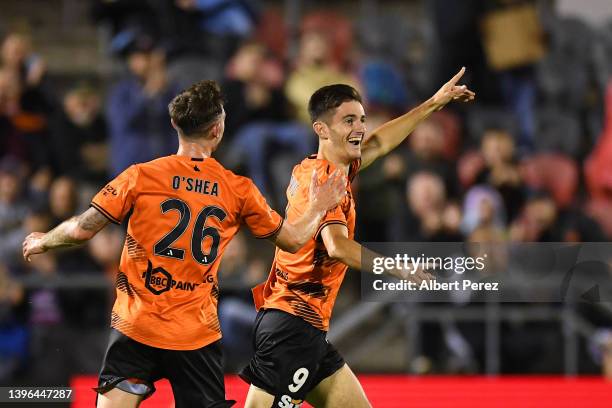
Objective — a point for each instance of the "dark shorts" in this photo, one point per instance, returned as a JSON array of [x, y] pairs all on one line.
[[196, 376], [291, 357]]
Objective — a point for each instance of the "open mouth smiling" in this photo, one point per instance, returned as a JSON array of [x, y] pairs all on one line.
[[355, 139]]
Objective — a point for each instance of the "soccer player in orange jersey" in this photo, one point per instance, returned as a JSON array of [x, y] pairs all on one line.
[[185, 210], [293, 361]]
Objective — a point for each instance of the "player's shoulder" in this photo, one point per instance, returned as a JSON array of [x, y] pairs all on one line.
[[322, 167], [157, 164], [230, 177], [310, 163], [301, 176]]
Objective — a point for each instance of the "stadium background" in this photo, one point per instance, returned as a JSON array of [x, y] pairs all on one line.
[[83, 91]]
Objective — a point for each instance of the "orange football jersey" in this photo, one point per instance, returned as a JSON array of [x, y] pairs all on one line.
[[306, 283], [184, 213]]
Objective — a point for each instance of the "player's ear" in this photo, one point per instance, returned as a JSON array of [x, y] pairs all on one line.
[[320, 129], [216, 130]]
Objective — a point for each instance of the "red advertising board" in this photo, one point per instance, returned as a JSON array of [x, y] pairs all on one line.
[[396, 391]]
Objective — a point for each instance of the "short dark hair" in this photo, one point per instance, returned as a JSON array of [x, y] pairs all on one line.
[[330, 97], [195, 108]]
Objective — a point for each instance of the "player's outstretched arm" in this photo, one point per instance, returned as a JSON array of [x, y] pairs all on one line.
[[72, 232], [322, 198], [339, 246], [390, 134]]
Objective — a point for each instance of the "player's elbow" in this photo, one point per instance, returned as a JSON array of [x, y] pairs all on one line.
[[335, 251], [288, 243], [294, 245], [290, 239]]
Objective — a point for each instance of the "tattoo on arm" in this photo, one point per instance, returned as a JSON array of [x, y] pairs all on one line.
[[92, 220], [76, 230]]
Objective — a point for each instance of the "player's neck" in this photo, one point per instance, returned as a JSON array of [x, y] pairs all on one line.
[[332, 158], [194, 149]]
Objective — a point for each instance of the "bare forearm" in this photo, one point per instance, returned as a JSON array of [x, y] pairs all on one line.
[[75, 231], [392, 133], [63, 235], [349, 253], [294, 235], [306, 226], [340, 247], [388, 136], [69, 233]]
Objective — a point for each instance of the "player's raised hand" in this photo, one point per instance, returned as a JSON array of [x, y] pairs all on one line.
[[327, 195], [32, 245], [450, 91]]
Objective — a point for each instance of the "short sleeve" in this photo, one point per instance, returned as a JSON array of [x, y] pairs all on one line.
[[335, 216], [115, 200], [261, 219]]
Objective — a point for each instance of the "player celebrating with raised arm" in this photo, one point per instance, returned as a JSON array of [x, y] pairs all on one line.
[[293, 361], [186, 208]]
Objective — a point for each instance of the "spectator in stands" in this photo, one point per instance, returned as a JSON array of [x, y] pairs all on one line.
[[491, 243], [17, 55], [257, 113], [223, 17], [539, 221], [598, 166], [252, 89], [137, 109], [501, 169], [514, 61], [62, 199], [13, 209], [543, 221], [427, 144], [430, 216], [313, 69], [122, 18], [483, 207], [63, 204], [79, 137], [580, 227], [23, 120]]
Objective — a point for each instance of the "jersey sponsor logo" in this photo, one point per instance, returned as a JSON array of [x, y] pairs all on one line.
[[196, 185], [158, 280], [282, 274], [108, 189], [287, 402]]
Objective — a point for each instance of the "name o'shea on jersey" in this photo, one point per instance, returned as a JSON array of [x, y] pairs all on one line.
[[196, 185]]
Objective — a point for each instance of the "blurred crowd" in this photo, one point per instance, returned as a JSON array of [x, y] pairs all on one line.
[[530, 161]]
